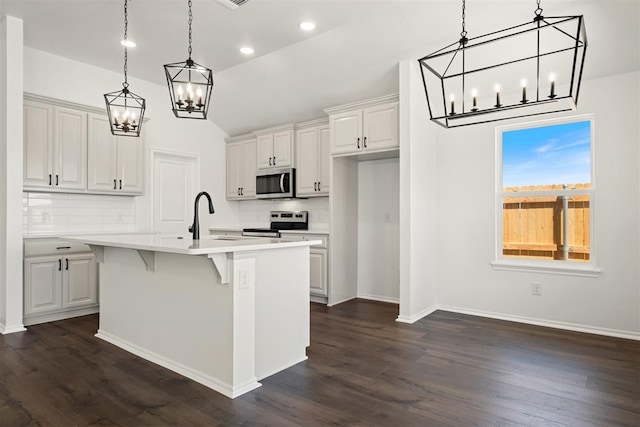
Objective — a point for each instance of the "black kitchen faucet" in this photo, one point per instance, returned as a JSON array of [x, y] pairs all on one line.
[[195, 227]]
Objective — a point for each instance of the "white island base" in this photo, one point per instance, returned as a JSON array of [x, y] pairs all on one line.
[[174, 310]]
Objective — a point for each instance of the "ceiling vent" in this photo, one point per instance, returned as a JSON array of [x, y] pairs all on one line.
[[232, 4]]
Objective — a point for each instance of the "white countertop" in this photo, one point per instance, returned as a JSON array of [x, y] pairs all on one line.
[[184, 244]]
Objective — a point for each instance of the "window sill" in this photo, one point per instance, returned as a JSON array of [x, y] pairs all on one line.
[[583, 270]]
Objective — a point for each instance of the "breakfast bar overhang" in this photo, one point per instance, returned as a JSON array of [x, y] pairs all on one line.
[[225, 313]]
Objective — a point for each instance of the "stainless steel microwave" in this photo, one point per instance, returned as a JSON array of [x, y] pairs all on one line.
[[276, 183]]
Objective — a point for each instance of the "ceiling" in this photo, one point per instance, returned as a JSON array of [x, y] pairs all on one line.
[[352, 55]]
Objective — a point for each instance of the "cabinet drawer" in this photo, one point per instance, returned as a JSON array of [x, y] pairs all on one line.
[[38, 247], [293, 237]]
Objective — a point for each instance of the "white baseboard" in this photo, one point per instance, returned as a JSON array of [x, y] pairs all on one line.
[[546, 323], [204, 379], [60, 315], [414, 318], [341, 301], [379, 298], [5, 330]]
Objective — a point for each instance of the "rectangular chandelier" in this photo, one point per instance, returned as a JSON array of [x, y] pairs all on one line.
[[526, 70]]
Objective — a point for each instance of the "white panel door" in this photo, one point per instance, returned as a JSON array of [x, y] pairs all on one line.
[[249, 153], [324, 150], [175, 182], [380, 124], [38, 144], [79, 281], [346, 131], [265, 151], [42, 285], [130, 164], [234, 169], [70, 149], [307, 162], [102, 151], [282, 149]]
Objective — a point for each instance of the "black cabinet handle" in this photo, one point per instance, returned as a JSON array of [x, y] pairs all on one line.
[[67, 267], [56, 179], [121, 184], [274, 161], [365, 142], [242, 191], [59, 265], [358, 142], [49, 179], [315, 186], [63, 247], [318, 185], [270, 162], [238, 191], [114, 184]]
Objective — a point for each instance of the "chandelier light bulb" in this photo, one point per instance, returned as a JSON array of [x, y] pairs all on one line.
[[453, 104], [474, 94], [497, 89], [523, 83], [552, 79]]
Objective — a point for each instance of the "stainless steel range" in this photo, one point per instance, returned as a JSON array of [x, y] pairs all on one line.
[[281, 220]]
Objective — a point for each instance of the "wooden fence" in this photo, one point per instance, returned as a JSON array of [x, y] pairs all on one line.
[[532, 226]]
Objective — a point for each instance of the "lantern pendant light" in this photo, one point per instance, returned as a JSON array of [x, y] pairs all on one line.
[[190, 85], [125, 109], [522, 71]]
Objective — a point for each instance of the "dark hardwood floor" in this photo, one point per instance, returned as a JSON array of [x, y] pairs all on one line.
[[364, 369]]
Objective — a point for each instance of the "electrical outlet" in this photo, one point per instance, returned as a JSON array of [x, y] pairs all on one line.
[[244, 280], [536, 288]]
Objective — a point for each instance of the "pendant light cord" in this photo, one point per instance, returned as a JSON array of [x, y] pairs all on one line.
[[126, 24], [463, 34], [190, 21], [538, 11]]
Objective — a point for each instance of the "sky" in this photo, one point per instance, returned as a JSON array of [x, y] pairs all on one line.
[[557, 154]]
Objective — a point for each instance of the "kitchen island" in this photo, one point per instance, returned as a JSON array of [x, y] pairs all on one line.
[[223, 311]]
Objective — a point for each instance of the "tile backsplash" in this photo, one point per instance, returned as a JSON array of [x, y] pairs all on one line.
[[45, 213], [255, 213]]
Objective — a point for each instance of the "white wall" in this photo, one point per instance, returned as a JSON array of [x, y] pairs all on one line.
[[56, 77], [466, 231], [11, 66], [418, 209], [378, 230]]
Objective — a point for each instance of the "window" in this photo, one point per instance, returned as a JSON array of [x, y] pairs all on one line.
[[545, 192]]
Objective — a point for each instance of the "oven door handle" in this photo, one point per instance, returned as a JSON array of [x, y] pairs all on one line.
[[282, 182]]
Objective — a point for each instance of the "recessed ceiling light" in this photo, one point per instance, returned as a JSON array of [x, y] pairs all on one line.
[[246, 50], [307, 25], [128, 43]]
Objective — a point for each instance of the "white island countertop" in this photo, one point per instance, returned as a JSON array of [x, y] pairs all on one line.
[[184, 244]]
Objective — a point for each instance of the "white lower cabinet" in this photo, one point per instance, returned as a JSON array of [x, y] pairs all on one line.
[[319, 263], [318, 269], [58, 283]]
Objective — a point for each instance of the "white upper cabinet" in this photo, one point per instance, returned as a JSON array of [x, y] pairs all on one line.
[[275, 147], [55, 147], [346, 132], [70, 148], [369, 126], [241, 168], [312, 160], [116, 164]]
